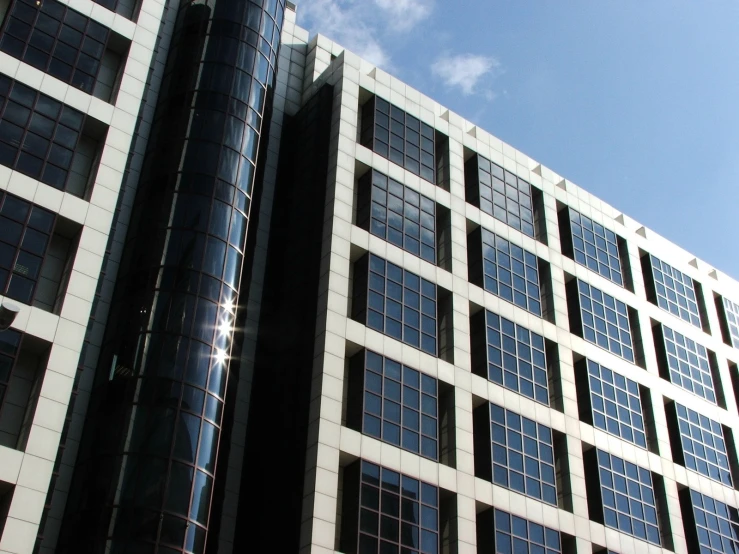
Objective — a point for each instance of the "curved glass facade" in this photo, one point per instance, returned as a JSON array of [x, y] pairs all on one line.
[[148, 460]]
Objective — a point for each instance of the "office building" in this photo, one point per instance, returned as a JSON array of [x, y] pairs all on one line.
[[275, 300]]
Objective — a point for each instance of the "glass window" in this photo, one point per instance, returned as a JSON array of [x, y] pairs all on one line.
[[605, 321], [515, 535], [595, 247], [731, 317], [616, 404], [402, 217], [503, 195], [57, 40], [716, 524], [523, 455], [38, 135], [400, 406], [516, 358], [511, 272], [675, 291], [401, 304], [704, 448], [397, 512], [400, 137], [629, 503], [25, 233], [687, 363]]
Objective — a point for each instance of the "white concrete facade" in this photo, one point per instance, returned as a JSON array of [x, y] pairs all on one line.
[[30, 471], [332, 445], [303, 67]]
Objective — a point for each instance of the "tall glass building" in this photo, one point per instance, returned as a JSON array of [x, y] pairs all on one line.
[[275, 300]]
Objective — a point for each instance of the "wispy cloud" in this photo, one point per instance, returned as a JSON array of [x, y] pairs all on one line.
[[465, 71], [363, 26], [405, 14]]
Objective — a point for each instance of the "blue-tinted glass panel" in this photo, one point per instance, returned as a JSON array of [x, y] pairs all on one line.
[[38, 135], [399, 137], [515, 535], [629, 503], [505, 196], [511, 272], [25, 234], [704, 447], [731, 314], [523, 455], [401, 405], [675, 291], [716, 525], [516, 358], [687, 362], [403, 217], [397, 512], [402, 305], [595, 247], [57, 40], [616, 404], [605, 321]]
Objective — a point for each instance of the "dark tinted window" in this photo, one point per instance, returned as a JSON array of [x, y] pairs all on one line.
[[400, 405], [55, 39], [523, 455], [25, 233], [629, 503], [38, 135], [400, 137], [516, 358], [605, 321]]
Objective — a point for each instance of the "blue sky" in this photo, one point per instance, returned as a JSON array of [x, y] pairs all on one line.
[[635, 101]]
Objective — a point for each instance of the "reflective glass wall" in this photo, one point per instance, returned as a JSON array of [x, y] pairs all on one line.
[[148, 462]]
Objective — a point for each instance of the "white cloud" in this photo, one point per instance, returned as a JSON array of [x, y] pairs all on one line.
[[405, 14], [363, 25], [465, 71]]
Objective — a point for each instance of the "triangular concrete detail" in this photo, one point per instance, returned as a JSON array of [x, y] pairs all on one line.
[[713, 274], [537, 170], [620, 219], [642, 232], [562, 184], [694, 263], [473, 131], [445, 115]]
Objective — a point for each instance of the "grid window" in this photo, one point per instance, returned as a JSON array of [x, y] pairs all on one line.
[[511, 272], [605, 321], [616, 404], [397, 511], [403, 217], [675, 291], [401, 406], [595, 247], [25, 233], [57, 40], [400, 137], [10, 341], [716, 524], [629, 503], [516, 358], [523, 455], [731, 313], [38, 135], [687, 362], [703, 444], [502, 194], [515, 535], [401, 304]]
